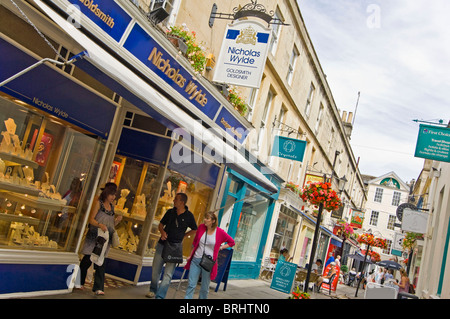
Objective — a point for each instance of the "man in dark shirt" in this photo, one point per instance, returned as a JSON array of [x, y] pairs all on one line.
[[173, 228]]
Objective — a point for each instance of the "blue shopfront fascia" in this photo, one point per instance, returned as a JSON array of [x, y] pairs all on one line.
[[122, 29], [105, 68]]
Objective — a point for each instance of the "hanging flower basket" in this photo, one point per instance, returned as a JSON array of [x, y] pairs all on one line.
[[346, 230], [321, 193], [410, 240], [371, 240], [375, 256]]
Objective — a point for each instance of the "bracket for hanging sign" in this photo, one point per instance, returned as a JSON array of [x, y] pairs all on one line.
[[252, 9]]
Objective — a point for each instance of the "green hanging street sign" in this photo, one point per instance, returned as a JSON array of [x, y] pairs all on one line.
[[433, 143], [289, 148]]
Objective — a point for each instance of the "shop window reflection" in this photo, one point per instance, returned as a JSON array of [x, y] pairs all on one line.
[[145, 194], [137, 190], [45, 169], [199, 196], [250, 227]]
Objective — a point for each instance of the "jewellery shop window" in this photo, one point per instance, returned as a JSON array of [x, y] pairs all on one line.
[[137, 182], [199, 196], [44, 170]]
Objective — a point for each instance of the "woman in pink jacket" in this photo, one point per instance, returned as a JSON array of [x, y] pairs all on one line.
[[215, 237]]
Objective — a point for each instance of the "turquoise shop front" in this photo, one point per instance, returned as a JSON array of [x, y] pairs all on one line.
[[246, 215]]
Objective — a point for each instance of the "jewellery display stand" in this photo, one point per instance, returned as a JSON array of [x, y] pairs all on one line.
[[27, 208]]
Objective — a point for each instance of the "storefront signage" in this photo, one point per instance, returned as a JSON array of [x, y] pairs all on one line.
[[433, 143], [283, 277], [309, 178], [107, 14], [357, 219], [243, 54], [289, 148], [149, 52], [337, 213], [231, 125], [115, 21], [398, 241]]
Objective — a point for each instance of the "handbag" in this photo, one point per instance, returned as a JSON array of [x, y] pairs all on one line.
[[115, 242], [207, 262], [172, 252]]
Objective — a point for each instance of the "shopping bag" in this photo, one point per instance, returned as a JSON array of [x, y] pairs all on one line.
[[101, 244]]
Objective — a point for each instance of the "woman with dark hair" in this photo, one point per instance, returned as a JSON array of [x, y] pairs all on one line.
[[208, 239], [101, 216]]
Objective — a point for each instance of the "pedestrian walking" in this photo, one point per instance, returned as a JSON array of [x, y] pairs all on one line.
[[208, 241], [173, 228], [403, 285], [101, 217], [379, 276]]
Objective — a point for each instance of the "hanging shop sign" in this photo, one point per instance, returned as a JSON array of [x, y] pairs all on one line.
[[415, 221], [309, 178], [243, 54], [357, 219], [289, 148], [433, 143]]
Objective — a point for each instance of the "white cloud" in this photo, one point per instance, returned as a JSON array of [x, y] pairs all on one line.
[[400, 66]]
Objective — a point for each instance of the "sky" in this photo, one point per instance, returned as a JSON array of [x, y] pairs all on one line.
[[397, 55]]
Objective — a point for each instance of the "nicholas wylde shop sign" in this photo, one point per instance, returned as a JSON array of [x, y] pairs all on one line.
[[107, 14], [243, 54]]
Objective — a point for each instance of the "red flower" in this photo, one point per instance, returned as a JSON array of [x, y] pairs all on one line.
[[321, 193]]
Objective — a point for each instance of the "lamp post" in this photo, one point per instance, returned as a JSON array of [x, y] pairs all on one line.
[[362, 272], [369, 239], [313, 248], [316, 231]]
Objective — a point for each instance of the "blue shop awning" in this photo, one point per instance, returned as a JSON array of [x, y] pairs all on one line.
[[111, 72], [51, 90]]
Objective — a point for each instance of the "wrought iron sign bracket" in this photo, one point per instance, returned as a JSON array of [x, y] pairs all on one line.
[[252, 9], [285, 128]]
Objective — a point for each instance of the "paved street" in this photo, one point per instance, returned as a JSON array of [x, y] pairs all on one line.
[[236, 289]]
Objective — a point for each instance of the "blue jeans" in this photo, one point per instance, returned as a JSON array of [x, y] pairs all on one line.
[[194, 274], [161, 289]]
